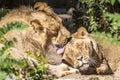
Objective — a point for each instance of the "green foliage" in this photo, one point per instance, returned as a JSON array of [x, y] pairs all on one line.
[[99, 15], [95, 78], [6, 61], [112, 2], [11, 26], [2, 75], [93, 24], [41, 68], [115, 22], [3, 12], [106, 38]]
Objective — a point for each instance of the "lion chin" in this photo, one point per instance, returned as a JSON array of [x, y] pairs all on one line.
[[45, 27]]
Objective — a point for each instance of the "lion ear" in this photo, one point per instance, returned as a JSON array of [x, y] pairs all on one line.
[[36, 25], [81, 33]]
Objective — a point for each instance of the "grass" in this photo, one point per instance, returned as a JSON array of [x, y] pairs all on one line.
[[106, 39]]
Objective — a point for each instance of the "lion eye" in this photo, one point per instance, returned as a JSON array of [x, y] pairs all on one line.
[[80, 58], [36, 8], [85, 59], [54, 33]]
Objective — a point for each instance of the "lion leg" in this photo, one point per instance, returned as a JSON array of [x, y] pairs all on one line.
[[104, 68], [117, 68], [59, 70], [71, 71], [62, 70], [62, 67]]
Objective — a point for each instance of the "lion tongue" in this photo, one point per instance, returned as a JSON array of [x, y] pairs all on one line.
[[60, 50]]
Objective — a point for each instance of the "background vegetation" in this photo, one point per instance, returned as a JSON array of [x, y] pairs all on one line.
[[99, 16]]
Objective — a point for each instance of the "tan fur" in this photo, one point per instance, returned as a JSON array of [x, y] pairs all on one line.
[[43, 29]]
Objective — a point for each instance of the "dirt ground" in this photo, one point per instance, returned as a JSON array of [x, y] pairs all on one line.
[[54, 58]]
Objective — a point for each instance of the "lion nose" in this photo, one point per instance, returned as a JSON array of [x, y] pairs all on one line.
[[58, 45], [80, 58], [68, 39]]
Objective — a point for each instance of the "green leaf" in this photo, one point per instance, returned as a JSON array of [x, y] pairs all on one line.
[[95, 78], [10, 43], [14, 39], [112, 2], [1, 34], [119, 1], [2, 75]]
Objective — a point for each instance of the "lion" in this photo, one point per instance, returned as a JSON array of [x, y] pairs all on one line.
[[85, 55], [43, 30]]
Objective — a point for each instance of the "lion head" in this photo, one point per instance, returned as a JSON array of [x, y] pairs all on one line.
[[49, 24]]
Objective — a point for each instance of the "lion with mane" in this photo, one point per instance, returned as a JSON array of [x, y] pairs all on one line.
[[45, 27]]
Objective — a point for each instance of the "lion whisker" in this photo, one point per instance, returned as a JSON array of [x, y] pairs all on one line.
[[92, 62]]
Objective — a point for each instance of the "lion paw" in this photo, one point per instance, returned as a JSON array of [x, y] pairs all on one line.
[[100, 70]]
